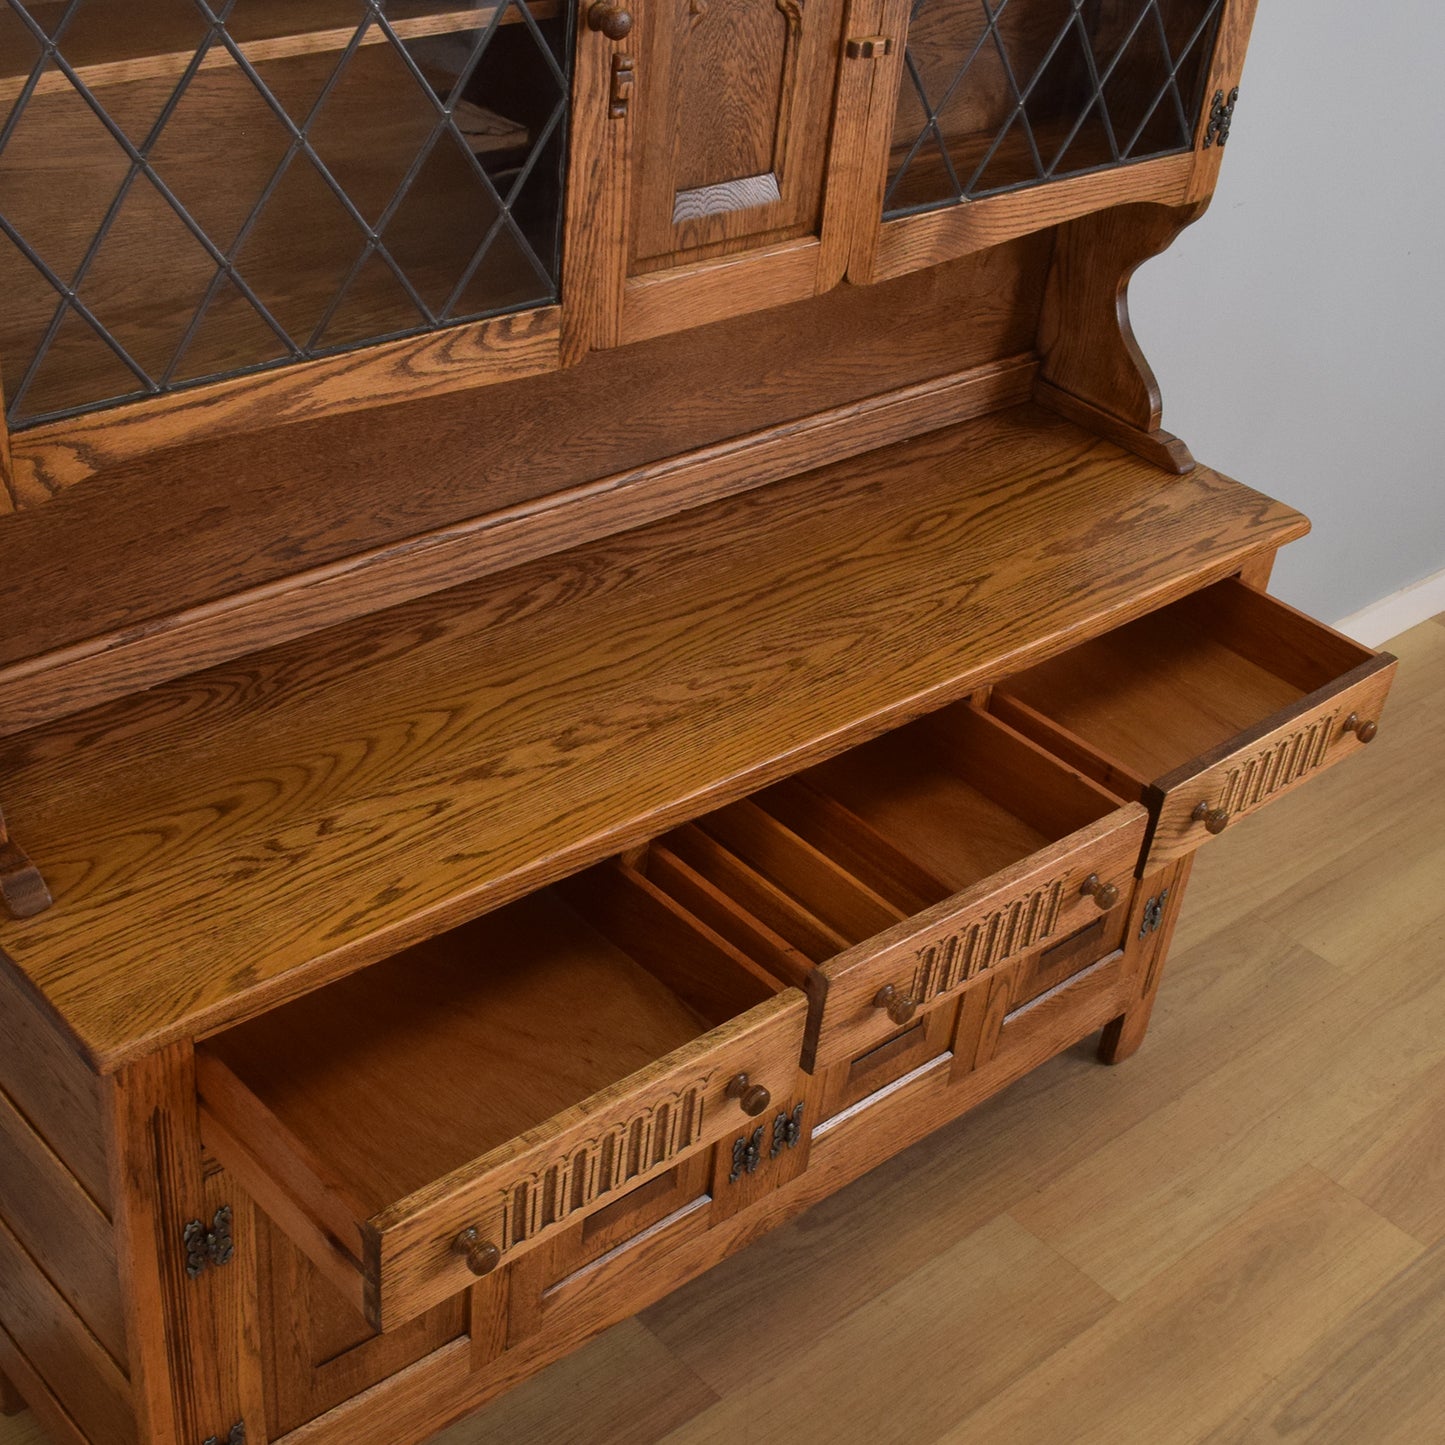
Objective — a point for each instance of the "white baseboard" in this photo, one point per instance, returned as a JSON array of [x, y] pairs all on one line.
[[1398, 612]]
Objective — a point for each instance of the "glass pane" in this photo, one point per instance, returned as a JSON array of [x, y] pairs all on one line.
[[999, 94], [311, 176]]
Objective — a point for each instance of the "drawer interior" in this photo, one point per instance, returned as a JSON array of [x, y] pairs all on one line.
[[399, 1075], [1170, 687], [851, 847]]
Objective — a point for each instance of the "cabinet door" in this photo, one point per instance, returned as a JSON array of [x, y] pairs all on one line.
[[346, 205], [994, 119], [722, 108], [733, 118]]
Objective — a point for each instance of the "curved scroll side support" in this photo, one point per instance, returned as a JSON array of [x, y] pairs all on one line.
[[1092, 369]]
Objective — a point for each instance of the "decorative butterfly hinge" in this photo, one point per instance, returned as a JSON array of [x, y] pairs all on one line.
[[787, 1131], [1153, 914], [747, 1154], [1221, 117], [237, 1436], [22, 888], [209, 1248]]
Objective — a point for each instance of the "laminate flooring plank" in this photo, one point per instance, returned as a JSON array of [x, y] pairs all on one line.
[[1205, 1337], [1375, 1379], [939, 1344], [623, 1388]]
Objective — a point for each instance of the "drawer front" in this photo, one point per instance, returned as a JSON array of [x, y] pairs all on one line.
[[1202, 798], [944, 949], [578, 1162]]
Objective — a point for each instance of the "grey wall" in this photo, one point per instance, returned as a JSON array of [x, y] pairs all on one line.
[[1298, 329]]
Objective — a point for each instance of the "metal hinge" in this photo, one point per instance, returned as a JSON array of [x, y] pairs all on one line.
[[209, 1248], [1221, 117], [747, 1154], [1153, 914], [787, 1131], [237, 1436], [868, 47]]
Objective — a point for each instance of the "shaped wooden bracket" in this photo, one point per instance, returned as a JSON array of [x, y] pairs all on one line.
[[1092, 370], [22, 889]]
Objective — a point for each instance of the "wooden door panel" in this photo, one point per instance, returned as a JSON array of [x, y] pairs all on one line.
[[733, 101]]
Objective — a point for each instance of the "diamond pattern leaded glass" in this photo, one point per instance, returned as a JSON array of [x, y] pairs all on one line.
[[195, 189], [1000, 94]]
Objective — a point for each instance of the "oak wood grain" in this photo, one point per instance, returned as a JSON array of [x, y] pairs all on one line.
[[64, 1354], [54, 1220], [113, 664], [309, 739], [51, 458], [41, 1071], [194, 1343], [924, 240]]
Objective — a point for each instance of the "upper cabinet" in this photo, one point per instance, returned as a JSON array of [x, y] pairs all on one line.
[[195, 190], [1001, 116], [218, 215]]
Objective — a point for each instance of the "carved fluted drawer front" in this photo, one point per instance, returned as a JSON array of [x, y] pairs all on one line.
[[906, 869], [420, 1123], [1208, 710]]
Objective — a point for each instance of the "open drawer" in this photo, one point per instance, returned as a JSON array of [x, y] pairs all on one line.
[[418, 1123], [1207, 709], [895, 875]]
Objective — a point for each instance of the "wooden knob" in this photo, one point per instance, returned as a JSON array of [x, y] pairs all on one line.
[[1364, 729], [752, 1098], [1106, 895], [899, 1006], [481, 1255], [612, 20], [1215, 819]]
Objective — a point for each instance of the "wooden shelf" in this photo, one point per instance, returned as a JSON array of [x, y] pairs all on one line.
[[233, 838], [149, 45]]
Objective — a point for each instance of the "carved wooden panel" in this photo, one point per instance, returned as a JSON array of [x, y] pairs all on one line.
[[1019, 924], [733, 99], [628, 1149], [1273, 769]]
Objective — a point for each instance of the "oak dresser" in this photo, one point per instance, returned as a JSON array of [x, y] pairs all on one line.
[[601, 633]]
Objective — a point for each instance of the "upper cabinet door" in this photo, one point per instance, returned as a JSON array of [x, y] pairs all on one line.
[[734, 99], [710, 123], [347, 202], [1005, 116]]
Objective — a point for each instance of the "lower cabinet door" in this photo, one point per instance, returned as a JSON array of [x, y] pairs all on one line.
[[1208, 710], [317, 1351]]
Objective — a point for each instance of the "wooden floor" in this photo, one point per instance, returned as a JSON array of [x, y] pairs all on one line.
[[1238, 1236]]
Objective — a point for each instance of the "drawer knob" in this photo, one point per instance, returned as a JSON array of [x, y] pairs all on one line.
[[1366, 729], [1215, 819], [481, 1255], [612, 20], [899, 1006], [1106, 895], [752, 1098]]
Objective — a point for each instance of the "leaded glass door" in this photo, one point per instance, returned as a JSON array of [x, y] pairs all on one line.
[[193, 190], [998, 100]]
